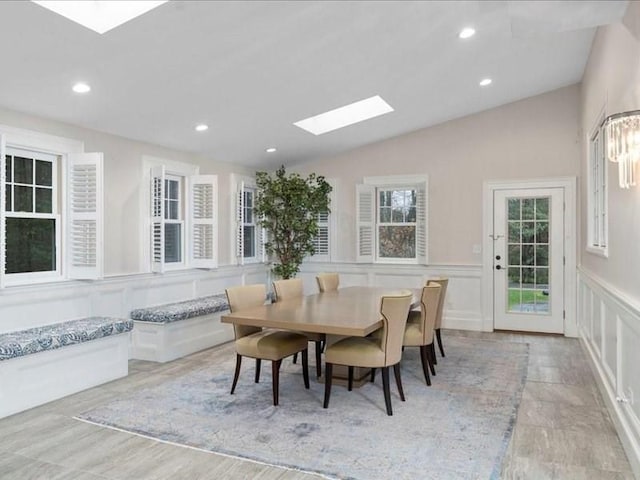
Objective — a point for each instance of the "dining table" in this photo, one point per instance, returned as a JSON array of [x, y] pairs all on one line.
[[349, 311]]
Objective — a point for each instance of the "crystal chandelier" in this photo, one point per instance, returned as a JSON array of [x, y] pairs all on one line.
[[623, 144]]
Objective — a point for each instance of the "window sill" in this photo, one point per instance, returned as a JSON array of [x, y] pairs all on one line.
[[598, 251]]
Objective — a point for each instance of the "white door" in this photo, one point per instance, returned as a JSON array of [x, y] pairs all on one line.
[[528, 259]]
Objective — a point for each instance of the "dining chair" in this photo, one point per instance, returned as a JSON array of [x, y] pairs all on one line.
[[254, 342], [328, 282], [288, 290], [444, 282], [419, 331], [380, 351]]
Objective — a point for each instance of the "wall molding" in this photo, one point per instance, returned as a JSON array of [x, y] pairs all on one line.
[[609, 329]]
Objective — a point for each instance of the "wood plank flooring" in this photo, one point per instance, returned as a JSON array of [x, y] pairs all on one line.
[[563, 430]]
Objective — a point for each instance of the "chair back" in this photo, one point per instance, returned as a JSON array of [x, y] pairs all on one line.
[[429, 303], [443, 292], [244, 297], [288, 289], [394, 310], [328, 282]]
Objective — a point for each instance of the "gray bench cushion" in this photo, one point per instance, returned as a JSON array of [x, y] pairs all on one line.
[[173, 312], [51, 337]]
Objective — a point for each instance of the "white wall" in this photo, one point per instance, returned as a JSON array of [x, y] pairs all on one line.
[[122, 177], [533, 138]]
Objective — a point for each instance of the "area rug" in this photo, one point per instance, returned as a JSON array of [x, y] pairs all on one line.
[[458, 428]]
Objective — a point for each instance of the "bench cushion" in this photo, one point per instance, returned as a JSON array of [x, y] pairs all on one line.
[[173, 312], [50, 337]]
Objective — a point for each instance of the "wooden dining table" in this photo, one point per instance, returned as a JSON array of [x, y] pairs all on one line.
[[350, 311]]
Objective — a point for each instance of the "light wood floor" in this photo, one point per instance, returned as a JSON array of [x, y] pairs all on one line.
[[563, 430]]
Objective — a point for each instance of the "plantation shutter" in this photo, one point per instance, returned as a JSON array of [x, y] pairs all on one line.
[[157, 218], [3, 186], [85, 216], [204, 221], [422, 224], [262, 238], [365, 222], [321, 240], [240, 223]]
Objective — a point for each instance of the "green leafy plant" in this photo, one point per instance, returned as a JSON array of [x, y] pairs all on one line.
[[288, 207]]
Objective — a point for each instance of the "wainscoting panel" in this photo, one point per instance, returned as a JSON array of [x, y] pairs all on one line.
[[609, 326], [463, 304]]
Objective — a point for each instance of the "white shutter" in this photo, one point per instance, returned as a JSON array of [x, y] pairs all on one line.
[[262, 238], [3, 186], [422, 221], [203, 192], [365, 222], [240, 223], [157, 218], [321, 240], [84, 216]]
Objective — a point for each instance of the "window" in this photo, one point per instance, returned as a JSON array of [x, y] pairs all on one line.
[[183, 219], [392, 220], [324, 242], [34, 179], [597, 202], [248, 234]]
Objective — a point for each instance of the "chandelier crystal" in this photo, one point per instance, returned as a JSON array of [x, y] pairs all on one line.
[[623, 144]]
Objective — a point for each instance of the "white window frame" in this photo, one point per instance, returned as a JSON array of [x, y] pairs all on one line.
[[196, 217], [328, 221], [597, 191], [71, 261], [372, 185], [181, 180], [239, 185]]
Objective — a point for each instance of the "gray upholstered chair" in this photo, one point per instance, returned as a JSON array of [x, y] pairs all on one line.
[[380, 351], [261, 344], [288, 290], [420, 327], [328, 282], [444, 282]]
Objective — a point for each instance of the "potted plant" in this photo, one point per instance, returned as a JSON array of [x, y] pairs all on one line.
[[288, 207]]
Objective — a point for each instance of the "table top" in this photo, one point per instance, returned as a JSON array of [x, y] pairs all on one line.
[[351, 311]]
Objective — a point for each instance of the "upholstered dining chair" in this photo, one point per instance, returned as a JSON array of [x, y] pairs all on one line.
[[380, 351], [328, 282], [290, 289], [444, 282], [420, 327], [254, 342]]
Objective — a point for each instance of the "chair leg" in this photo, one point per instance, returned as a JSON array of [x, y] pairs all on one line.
[[425, 363], [373, 375], [439, 337], [350, 379], [237, 374], [295, 358], [430, 357], [433, 353], [258, 365], [305, 368], [318, 359], [396, 373], [275, 373], [387, 392], [328, 374]]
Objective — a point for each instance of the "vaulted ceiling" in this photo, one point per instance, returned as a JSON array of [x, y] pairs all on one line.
[[251, 69]]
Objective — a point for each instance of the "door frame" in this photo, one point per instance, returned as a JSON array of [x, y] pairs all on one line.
[[568, 184]]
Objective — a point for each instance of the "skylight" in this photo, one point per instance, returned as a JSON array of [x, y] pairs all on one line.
[[345, 116], [99, 15]]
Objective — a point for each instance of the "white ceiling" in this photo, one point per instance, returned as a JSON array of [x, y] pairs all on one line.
[[251, 69]]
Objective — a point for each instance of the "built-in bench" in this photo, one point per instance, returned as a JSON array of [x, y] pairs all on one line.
[[45, 363], [165, 332]]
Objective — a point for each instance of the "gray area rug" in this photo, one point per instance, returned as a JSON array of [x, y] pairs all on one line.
[[457, 429]]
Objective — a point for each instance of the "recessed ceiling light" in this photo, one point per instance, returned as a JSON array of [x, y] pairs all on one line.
[[100, 15], [271, 150], [202, 127], [467, 32], [485, 81], [81, 87], [344, 116]]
